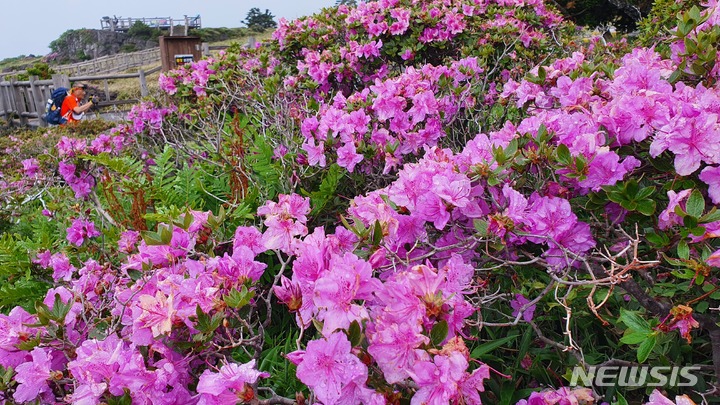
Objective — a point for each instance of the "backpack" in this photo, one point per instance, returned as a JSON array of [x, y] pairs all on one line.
[[54, 104]]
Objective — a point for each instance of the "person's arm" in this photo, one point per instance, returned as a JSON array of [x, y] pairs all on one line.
[[82, 108]]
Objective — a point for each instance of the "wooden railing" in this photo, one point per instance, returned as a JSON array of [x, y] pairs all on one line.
[[21, 101], [111, 63], [124, 24]]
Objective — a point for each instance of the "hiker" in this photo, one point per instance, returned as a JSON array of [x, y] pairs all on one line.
[[71, 109]]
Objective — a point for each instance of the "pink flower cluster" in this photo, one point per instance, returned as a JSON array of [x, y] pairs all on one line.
[[146, 116], [560, 396], [81, 183], [149, 318], [195, 75], [353, 46], [590, 115], [400, 303], [80, 230], [394, 117]]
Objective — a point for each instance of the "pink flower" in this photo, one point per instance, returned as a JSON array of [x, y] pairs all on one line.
[[284, 220], [14, 330], [62, 269], [714, 259], [229, 385], [711, 176], [32, 376], [439, 379], [327, 366], [128, 240], [153, 316], [80, 230], [249, 237], [167, 84], [30, 167], [657, 398], [315, 153], [668, 218], [605, 169], [289, 293], [349, 279], [395, 347], [348, 156], [517, 303]]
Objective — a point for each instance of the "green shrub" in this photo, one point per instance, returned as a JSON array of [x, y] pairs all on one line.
[[140, 30]]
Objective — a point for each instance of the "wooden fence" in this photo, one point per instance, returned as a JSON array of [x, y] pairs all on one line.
[[111, 63], [21, 101]]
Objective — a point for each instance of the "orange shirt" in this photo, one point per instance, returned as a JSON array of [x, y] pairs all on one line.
[[68, 106]]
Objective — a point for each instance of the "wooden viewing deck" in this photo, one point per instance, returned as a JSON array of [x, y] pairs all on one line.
[[120, 24]]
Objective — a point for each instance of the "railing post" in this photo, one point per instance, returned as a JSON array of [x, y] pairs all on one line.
[[60, 80], [107, 91], [38, 100], [143, 83], [4, 101], [18, 101]]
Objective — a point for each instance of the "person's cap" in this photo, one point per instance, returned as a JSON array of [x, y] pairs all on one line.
[[80, 86]]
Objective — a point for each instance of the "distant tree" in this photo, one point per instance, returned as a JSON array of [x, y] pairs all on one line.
[[259, 21], [346, 3], [141, 30]]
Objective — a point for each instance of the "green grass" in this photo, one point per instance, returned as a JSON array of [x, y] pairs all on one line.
[[18, 63]]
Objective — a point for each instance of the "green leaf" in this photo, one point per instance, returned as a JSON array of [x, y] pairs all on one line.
[[205, 323], [542, 134], [377, 234], [695, 205], [634, 338], [326, 191], [135, 275], [645, 193], [238, 299], [490, 346], [646, 347], [683, 250], [439, 333], [165, 234], [355, 334], [563, 154], [152, 238], [481, 227], [60, 309], [698, 231], [712, 216], [632, 188], [511, 148], [690, 221], [28, 344], [634, 321], [676, 74], [646, 207], [616, 196], [126, 399]]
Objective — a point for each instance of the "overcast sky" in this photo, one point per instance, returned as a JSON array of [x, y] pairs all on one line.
[[28, 26]]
